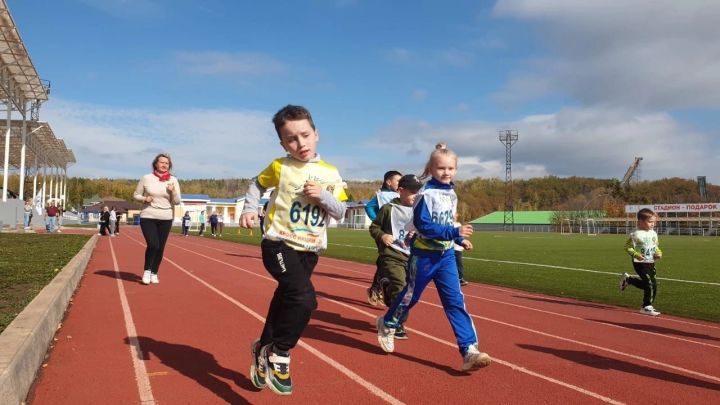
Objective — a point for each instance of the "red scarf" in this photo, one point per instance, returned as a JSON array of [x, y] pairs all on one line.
[[162, 176]]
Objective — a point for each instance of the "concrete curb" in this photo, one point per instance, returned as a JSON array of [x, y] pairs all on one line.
[[25, 341]]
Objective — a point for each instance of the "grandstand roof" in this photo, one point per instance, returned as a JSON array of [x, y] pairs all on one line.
[[14, 58], [41, 144], [521, 217]]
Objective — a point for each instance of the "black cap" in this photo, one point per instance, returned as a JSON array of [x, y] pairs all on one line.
[[410, 182]]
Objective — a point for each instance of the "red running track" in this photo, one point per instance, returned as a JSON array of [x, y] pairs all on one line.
[[186, 340]]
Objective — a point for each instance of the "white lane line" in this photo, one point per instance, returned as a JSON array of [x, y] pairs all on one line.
[[141, 375], [614, 273], [663, 319], [640, 358], [375, 390], [503, 362], [494, 359], [658, 363]]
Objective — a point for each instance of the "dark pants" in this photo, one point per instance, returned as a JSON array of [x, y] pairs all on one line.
[[117, 226], [294, 298], [104, 228], [156, 233], [646, 282], [395, 271], [185, 229], [213, 228], [202, 228], [459, 264]]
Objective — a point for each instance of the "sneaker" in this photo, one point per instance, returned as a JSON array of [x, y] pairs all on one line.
[[257, 369], [400, 333], [277, 376], [372, 296], [624, 281], [474, 359], [386, 336], [463, 282], [154, 278], [146, 277], [649, 310]]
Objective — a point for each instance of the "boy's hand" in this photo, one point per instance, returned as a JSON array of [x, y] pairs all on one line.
[[148, 198], [388, 239], [466, 230], [467, 244], [312, 190], [247, 220], [657, 256]]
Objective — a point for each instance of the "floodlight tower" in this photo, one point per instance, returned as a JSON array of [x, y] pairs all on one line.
[[508, 137]]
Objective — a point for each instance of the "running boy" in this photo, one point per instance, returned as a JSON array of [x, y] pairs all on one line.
[[390, 229], [387, 193], [432, 258], [308, 192], [644, 249]]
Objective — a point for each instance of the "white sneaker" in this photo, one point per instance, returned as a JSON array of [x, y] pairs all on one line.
[[649, 310], [386, 336], [624, 281], [146, 277], [154, 278], [474, 359]]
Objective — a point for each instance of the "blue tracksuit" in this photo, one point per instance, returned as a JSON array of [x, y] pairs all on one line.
[[433, 259]]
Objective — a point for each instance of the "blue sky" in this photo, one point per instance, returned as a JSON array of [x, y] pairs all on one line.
[[588, 85]]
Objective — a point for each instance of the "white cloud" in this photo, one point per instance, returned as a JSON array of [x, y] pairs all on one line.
[[226, 63], [656, 54], [592, 142], [111, 142]]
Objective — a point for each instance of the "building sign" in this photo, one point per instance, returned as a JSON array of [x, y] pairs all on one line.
[[683, 207]]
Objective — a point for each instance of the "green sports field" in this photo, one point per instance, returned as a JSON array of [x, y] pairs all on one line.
[[577, 266]]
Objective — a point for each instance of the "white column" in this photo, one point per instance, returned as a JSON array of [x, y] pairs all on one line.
[[37, 169], [21, 191], [6, 167], [44, 190]]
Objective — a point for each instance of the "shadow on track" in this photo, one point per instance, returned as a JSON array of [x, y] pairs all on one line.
[[365, 280], [659, 329], [199, 365], [124, 275], [340, 335], [607, 363], [351, 301]]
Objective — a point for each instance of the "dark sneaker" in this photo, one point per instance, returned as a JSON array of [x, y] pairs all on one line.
[[257, 369], [278, 372], [463, 282], [400, 333]]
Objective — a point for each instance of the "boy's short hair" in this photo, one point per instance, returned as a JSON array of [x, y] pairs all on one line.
[[291, 113], [390, 174], [645, 214]]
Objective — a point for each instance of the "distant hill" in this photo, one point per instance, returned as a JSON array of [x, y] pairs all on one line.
[[477, 196]]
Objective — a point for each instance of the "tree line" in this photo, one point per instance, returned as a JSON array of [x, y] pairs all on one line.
[[477, 197]]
